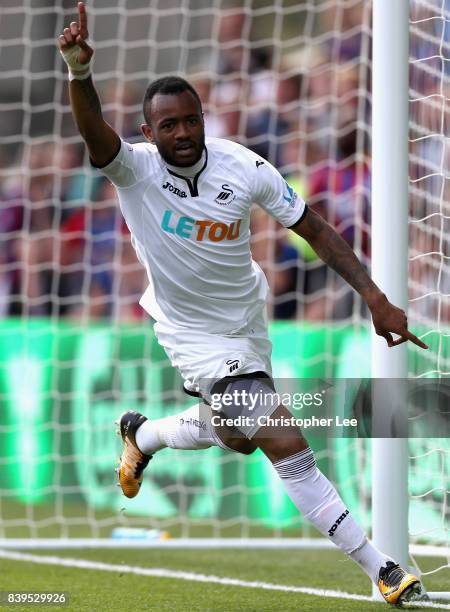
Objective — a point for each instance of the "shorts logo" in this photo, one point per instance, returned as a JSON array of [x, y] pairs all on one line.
[[234, 364], [204, 229], [175, 190], [224, 196], [337, 523]]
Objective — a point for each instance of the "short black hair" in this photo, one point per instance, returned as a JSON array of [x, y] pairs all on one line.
[[167, 85]]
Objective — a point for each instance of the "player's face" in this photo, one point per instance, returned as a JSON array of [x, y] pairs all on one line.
[[177, 128]]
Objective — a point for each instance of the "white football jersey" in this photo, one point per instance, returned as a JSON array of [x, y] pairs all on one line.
[[190, 229]]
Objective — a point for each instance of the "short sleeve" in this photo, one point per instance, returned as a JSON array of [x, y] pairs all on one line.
[[129, 166], [275, 195]]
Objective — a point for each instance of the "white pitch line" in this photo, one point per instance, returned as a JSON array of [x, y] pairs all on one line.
[[198, 543], [190, 576]]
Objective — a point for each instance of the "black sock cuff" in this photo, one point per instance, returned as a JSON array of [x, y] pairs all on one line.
[[296, 465]]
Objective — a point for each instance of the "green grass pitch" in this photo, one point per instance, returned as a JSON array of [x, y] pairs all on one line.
[[92, 590]]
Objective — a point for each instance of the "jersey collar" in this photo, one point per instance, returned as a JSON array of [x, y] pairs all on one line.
[[190, 174], [189, 171]]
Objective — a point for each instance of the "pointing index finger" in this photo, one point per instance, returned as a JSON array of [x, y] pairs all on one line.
[[82, 16], [412, 338]]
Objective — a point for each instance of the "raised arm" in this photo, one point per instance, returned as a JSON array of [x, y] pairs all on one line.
[[335, 252], [102, 141]]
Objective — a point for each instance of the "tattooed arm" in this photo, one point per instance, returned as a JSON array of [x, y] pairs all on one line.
[[335, 252], [102, 141]]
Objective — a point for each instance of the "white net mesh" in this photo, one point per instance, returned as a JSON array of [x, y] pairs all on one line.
[[429, 268], [289, 79]]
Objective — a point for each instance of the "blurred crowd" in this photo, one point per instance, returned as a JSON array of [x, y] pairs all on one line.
[[65, 250]]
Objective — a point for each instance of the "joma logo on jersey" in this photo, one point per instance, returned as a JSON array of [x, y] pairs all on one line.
[[203, 229], [175, 190], [223, 198]]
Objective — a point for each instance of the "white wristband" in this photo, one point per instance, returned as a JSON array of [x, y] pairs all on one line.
[[79, 76], [76, 69]]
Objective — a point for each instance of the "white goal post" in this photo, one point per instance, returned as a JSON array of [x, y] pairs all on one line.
[[390, 255]]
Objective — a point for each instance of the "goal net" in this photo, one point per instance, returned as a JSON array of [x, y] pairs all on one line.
[[290, 79], [429, 262]]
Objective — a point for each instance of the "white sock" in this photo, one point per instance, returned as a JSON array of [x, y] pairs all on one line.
[[370, 559], [317, 499], [188, 430]]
